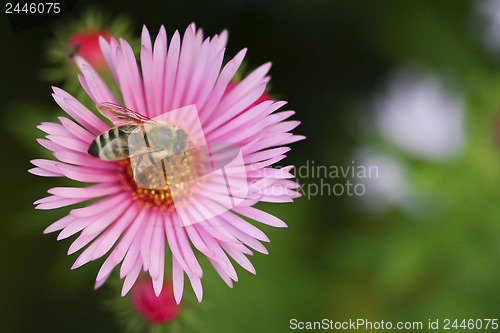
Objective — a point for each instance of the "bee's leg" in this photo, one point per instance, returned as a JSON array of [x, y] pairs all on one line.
[[152, 160], [164, 170], [136, 168], [188, 146]]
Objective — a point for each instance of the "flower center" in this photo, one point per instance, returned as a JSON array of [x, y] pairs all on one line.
[[159, 185]]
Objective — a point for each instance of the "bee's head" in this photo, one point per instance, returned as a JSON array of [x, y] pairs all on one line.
[[181, 143]]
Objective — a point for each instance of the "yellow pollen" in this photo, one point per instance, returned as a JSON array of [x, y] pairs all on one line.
[[181, 173]]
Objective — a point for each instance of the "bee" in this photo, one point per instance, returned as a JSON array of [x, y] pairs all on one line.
[[140, 136]]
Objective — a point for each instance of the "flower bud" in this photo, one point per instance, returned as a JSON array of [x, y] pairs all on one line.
[[156, 310], [86, 45]]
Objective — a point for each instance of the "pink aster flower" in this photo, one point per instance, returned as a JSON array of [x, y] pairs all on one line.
[[134, 224]]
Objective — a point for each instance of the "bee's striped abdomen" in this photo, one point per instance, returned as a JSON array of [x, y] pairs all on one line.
[[111, 145]]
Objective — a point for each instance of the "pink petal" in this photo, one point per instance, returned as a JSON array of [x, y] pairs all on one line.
[[243, 88], [60, 224], [95, 228], [93, 191], [158, 285], [260, 216], [271, 173], [256, 115], [107, 53], [265, 154], [84, 159], [111, 214], [76, 226], [124, 244], [95, 86], [110, 236], [243, 119], [196, 284], [44, 173], [98, 284], [198, 243], [76, 130], [147, 239], [247, 240], [133, 85], [283, 126], [212, 228], [186, 250], [198, 72], [100, 206], [159, 60], [221, 257], [236, 107], [210, 77], [171, 71], [78, 111], [47, 144], [88, 175], [68, 142], [244, 226], [55, 129], [177, 280], [222, 273], [135, 246], [48, 166], [156, 269], [173, 243], [59, 202], [146, 38], [239, 258], [223, 80], [184, 68], [258, 166], [148, 76], [132, 276], [282, 198], [222, 39], [273, 141]]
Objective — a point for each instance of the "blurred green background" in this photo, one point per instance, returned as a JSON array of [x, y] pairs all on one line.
[[433, 253]]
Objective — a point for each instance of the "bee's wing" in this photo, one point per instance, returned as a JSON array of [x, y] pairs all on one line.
[[145, 151], [114, 111]]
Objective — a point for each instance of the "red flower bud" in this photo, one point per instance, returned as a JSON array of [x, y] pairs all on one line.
[[86, 45], [156, 310]]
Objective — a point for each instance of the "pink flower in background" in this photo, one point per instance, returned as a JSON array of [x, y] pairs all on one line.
[[155, 309], [86, 45], [421, 115], [135, 224]]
